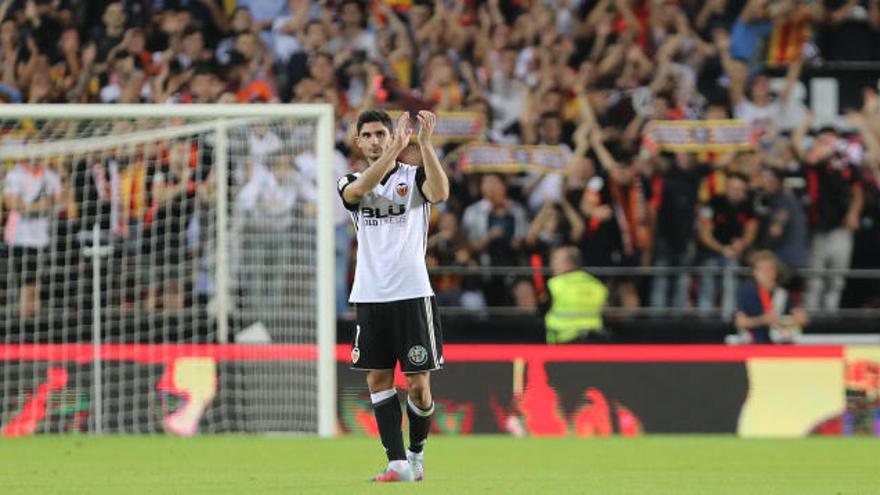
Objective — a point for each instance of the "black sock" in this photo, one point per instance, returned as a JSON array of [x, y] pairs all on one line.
[[389, 418], [419, 425]]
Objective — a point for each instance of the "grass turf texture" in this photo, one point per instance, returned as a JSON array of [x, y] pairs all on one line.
[[458, 466]]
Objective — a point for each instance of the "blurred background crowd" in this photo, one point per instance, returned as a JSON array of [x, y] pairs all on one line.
[[585, 76]]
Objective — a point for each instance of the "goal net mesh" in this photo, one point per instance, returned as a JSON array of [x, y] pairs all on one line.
[[110, 312]]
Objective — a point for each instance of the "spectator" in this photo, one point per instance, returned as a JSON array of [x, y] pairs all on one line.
[[846, 30], [836, 201], [192, 48], [307, 169], [288, 31], [353, 39], [576, 303], [32, 194], [110, 33], [580, 168], [242, 22], [557, 224], [543, 187], [449, 247], [205, 86], [759, 109], [395, 48], [174, 190], [727, 229], [752, 27], [320, 81], [496, 227], [507, 95], [311, 41], [766, 313], [442, 88], [126, 82], [263, 141], [675, 200], [524, 296], [783, 225], [267, 204], [615, 206], [250, 72], [208, 15], [264, 13]]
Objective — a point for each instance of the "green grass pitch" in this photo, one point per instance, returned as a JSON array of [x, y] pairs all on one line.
[[456, 466]]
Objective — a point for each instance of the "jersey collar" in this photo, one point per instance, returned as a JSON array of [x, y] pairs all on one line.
[[390, 173]]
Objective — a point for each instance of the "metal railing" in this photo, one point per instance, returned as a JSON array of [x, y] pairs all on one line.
[[730, 276]]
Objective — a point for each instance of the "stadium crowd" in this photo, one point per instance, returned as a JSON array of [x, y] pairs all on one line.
[[587, 77]]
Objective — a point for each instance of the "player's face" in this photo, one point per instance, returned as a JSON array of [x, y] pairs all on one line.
[[373, 139]]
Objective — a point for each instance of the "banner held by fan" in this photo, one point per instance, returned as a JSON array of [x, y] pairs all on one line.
[[491, 158], [699, 136]]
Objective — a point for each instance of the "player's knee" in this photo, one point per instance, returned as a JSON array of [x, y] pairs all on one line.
[[378, 381], [420, 391]]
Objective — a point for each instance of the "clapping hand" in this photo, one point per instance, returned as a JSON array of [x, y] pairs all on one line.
[[402, 134], [428, 121]]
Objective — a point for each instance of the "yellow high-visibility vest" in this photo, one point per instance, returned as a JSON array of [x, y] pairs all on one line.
[[578, 298]]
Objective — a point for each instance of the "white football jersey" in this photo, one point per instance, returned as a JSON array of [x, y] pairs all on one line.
[[392, 233]]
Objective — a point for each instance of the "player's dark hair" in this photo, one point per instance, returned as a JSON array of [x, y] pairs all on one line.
[[380, 116]]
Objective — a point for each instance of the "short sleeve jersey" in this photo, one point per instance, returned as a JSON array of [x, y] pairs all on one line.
[[392, 231]]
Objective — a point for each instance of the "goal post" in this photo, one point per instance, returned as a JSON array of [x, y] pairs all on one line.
[[217, 287]]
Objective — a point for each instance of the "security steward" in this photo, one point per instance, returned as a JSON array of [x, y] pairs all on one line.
[[576, 301]]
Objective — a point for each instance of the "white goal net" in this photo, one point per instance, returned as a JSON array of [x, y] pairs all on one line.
[[166, 269]]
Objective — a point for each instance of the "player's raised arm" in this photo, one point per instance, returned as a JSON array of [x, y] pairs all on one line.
[[436, 186], [384, 162]]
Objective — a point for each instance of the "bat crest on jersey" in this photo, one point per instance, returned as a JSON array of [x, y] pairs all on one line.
[[402, 189]]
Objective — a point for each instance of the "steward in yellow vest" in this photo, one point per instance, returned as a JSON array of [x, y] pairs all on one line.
[[577, 299]]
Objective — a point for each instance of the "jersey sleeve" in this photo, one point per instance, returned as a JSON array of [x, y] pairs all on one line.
[[344, 182]]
